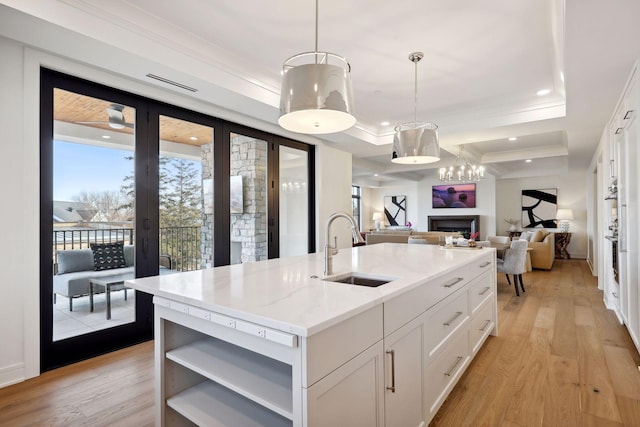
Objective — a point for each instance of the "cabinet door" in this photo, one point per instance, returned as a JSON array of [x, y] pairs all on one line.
[[352, 395], [632, 247], [403, 371]]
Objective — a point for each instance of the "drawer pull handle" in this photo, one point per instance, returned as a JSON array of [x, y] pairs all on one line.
[[484, 264], [453, 319], [453, 368], [393, 371], [454, 282], [627, 116], [488, 322], [484, 291]]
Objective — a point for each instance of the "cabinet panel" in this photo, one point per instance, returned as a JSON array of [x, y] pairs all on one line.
[[480, 290], [443, 373], [404, 375], [351, 396], [411, 304], [481, 325], [445, 320]]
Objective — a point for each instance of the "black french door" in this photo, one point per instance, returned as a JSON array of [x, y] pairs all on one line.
[[171, 188]]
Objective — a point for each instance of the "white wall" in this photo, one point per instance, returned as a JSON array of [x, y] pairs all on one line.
[[419, 205], [572, 194], [375, 201], [485, 204], [333, 193], [16, 234]]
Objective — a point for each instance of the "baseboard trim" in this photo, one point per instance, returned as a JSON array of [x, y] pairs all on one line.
[[12, 374]]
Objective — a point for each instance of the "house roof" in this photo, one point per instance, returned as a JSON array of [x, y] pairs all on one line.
[[72, 212]]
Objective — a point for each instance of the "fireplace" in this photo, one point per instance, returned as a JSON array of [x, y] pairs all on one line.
[[464, 224]]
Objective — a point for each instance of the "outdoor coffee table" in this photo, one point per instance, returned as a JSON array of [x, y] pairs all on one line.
[[114, 282]]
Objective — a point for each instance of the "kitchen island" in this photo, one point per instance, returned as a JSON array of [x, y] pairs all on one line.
[[271, 343]]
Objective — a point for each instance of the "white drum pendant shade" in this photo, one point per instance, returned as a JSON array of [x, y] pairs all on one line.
[[316, 98], [415, 143]]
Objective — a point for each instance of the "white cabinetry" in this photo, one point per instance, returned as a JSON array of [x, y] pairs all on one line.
[[391, 365], [404, 354], [624, 296]]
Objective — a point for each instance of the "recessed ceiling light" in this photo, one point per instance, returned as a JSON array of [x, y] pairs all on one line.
[[375, 174], [106, 137], [528, 161], [543, 92], [194, 138], [513, 138], [384, 123]]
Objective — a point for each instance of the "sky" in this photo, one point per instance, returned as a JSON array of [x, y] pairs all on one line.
[[80, 167]]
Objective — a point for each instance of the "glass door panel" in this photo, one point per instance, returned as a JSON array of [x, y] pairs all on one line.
[[294, 201], [186, 195], [93, 213], [249, 199]]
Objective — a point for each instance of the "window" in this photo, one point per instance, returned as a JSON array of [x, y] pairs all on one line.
[[356, 196]]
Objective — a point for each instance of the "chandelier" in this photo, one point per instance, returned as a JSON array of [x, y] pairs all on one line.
[[462, 170]]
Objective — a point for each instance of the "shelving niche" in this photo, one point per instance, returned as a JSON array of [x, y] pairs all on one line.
[[212, 382]]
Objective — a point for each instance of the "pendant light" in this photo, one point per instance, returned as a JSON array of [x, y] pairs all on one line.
[[416, 142], [316, 95]]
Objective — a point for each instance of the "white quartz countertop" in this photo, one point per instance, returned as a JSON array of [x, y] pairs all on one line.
[[281, 293]]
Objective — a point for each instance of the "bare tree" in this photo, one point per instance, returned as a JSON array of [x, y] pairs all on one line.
[[110, 205]]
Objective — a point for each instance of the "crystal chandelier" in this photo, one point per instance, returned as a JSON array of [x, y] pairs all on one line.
[[462, 170]]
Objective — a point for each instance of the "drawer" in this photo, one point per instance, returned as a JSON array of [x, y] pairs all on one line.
[[482, 265], [443, 373], [446, 319], [480, 290], [409, 305], [481, 325]]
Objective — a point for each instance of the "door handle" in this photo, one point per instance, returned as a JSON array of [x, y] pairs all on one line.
[[454, 282], [393, 371], [145, 246]]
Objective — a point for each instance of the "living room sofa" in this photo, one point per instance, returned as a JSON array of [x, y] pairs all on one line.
[[402, 236], [75, 267], [543, 248]]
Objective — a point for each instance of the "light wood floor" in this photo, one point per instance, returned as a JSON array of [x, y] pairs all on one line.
[[561, 360]]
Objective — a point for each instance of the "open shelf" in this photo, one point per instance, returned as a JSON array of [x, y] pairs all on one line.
[[261, 379], [212, 405]]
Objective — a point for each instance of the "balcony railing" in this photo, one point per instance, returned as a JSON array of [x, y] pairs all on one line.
[[182, 244]]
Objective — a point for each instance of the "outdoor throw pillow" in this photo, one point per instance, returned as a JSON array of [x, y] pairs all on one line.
[[108, 255]]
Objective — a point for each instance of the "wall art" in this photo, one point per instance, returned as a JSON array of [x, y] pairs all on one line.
[[539, 208]]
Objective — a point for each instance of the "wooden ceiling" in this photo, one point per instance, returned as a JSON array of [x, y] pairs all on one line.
[[75, 108]]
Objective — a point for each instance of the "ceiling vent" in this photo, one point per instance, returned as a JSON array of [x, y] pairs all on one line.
[[171, 82]]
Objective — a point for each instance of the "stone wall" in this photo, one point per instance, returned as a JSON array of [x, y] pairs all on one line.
[[249, 228]]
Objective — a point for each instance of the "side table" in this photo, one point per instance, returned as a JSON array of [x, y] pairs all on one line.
[[109, 283], [562, 241]]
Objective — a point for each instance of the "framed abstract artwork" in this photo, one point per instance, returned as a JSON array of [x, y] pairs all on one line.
[[395, 210], [539, 208]]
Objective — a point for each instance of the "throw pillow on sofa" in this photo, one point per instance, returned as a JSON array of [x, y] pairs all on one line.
[[74, 260], [107, 256]]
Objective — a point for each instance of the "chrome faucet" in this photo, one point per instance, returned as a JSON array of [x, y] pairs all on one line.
[[330, 251]]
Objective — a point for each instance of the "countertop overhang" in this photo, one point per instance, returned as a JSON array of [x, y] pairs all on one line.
[[289, 294]]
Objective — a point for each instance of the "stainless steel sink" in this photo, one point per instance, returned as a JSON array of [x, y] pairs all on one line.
[[360, 280]]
